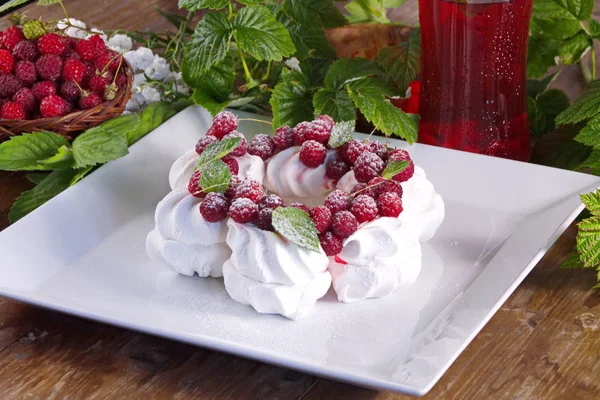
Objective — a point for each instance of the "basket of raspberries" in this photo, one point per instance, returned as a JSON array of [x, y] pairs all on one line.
[[52, 82]]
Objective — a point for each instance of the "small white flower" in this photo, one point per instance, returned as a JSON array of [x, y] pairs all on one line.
[[120, 43], [132, 105], [139, 59], [151, 95], [99, 33], [139, 80], [71, 28], [158, 70], [293, 63]]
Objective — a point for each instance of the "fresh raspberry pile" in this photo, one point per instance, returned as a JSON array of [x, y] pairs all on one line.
[[60, 74]]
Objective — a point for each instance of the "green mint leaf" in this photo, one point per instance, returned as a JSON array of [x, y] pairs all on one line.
[[590, 135], [217, 150], [588, 242], [394, 167], [341, 133], [36, 177], [55, 182], [98, 146], [536, 87], [558, 149], [208, 46], [572, 261], [217, 82], [315, 13], [215, 177], [585, 107], [260, 34], [23, 153], [573, 48], [563, 10], [195, 5], [291, 100], [402, 62], [11, 4], [80, 174], [348, 70], [297, 226], [592, 202], [62, 159], [383, 114], [541, 55], [335, 103], [547, 106], [309, 41], [594, 27]]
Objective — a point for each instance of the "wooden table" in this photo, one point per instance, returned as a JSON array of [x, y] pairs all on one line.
[[543, 343]]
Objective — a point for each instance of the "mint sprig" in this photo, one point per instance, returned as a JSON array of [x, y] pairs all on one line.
[[296, 226], [217, 150], [394, 168], [24, 153], [215, 177], [341, 133]]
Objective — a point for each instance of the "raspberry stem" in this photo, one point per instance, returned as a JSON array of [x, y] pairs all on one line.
[[368, 187]]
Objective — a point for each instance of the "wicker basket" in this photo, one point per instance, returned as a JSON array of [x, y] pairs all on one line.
[[71, 125]]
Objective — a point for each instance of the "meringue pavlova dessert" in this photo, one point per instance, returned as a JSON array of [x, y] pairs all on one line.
[[284, 218]]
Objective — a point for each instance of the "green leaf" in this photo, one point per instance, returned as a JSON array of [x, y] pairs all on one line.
[[98, 146], [54, 183], [402, 62], [47, 2], [195, 5], [37, 177], [217, 82], [341, 133], [291, 100], [335, 103], [260, 34], [592, 163], [590, 135], [567, 10], [572, 261], [367, 11], [585, 107], [297, 226], [592, 202], [558, 149], [309, 41], [212, 105], [80, 174], [588, 242], [548, 105], [23, 153], [541, 55], [208, 46], [572, 49], [62, 159], [215, 177], [347, 70], [594, 27], [536, 87], [250, 2], [554, 29], [316, 13], [217, 150], [11, 4], [394, 168]]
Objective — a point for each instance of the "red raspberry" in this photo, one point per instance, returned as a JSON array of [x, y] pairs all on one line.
[[336, 169], [284, 138], [300, 132], [379, 149], [331, 244], [69, 43], [73, 70], [367, 167], [70, 91], [204, 142], [389, 204], [381, 185], [121, 79], [343, 152], [300, 206], [243, 210], [25, 72], [98, 83], [232, 163], [86, 49], [194, 185], [98, 43], [6, 61], [402, 155], [214, 207], [262, 146], [25, 50], [90, 100], [327, 119], [364, 189], [49, 67], [250, 189], [355, 149], [53, 106], [265, 219], [9, 85], [90, 71], [336, 201], [51, 43], [364, 208], [271, 201], [233, 185], [11, 37], [223, 123], [318, 131], [321, 217], [107, 61], [12, 110], [43, 89], [25, 98], [312, 153], [344, 224], [242, 148]]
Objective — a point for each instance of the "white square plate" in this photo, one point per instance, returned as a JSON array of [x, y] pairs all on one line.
[[89, 260]]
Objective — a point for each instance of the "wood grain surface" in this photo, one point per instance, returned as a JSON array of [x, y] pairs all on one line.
[[544, 343]]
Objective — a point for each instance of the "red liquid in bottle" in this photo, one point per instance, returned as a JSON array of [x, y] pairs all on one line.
[[473, 94]]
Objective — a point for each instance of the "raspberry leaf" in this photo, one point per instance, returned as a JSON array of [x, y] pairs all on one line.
[[537, 87], [348, 70], [217, 82], [309, 41], [546, 107], [204, 99], [97, 146], [195, 5], [315, 13], [208, 46], [588, 242], [11, 4], [394, 168], [250, 2], [573, 48], [37, 177], [585, 107], [24, 153], [62, 159], [592, 202], [541, 55], [48, 2], [590, 135], [296, 226], [335, 103], [215, 177], [258, 32], [291, 99], [217, 150], [594, 27], [572, 261], [402, 62], [562, 11], [341, 133]]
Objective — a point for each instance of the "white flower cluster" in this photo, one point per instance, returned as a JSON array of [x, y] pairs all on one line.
[[146, 65]]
